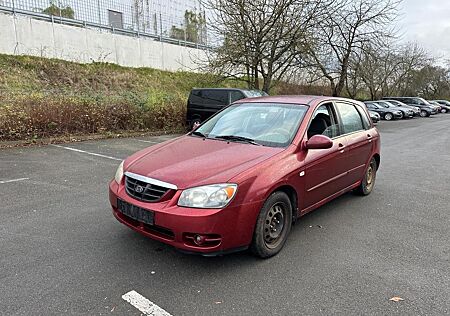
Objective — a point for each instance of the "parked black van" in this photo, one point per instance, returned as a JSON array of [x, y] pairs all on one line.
[[426, 109], [203, 103]]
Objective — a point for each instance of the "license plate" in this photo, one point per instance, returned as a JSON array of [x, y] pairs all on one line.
[[135, 212]]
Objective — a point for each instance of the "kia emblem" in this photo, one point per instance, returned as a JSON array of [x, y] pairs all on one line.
[[139, 188]]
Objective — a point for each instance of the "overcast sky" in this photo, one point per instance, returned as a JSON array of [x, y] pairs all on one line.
[[428, 23]]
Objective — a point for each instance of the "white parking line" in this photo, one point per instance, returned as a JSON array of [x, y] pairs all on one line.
[[13, 180], [87, 152], [147, 141], [145, 306]]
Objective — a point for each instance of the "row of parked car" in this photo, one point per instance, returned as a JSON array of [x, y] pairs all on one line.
[[203, 103], [393, 108]]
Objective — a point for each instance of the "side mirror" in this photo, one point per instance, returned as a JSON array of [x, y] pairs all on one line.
[[319, 142], [195, 125]]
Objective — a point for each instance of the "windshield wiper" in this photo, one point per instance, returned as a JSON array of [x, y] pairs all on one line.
[[238, 138], [197, 133]]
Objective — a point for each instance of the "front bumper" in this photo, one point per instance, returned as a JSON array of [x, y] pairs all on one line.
[[408, 114], [223, 230]]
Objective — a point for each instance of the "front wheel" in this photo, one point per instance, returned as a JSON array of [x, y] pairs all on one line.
[[368, 182], [272, 226], [423, 113], [443, 110], [388, 116]]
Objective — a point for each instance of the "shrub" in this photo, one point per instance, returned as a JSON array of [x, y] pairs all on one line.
[[37, 115]]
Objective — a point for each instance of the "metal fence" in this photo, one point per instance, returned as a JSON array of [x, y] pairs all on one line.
[[162, 20]]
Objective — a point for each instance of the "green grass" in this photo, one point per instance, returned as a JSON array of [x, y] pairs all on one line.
[[42, 97]]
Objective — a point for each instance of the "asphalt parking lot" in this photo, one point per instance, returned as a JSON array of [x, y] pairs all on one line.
[[62, 251]]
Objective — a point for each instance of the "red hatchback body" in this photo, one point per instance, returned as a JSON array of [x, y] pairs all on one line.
[[242, 178]]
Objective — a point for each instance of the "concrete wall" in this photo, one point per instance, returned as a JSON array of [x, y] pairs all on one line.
[[20, 35]]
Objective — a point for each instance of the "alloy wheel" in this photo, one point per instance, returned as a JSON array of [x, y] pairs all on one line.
[[388, 116]]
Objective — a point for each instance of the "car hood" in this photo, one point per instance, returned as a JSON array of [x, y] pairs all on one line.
[[192, 161]]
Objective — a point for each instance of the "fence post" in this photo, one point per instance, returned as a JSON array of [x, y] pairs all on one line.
[[60, 13], [14, 7], [99, 13]]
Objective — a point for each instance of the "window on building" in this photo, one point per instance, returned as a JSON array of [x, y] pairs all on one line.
[[115, 19]]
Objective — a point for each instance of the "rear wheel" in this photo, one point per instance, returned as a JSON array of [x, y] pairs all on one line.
[[388, 116], [368, 182], [272, 226]]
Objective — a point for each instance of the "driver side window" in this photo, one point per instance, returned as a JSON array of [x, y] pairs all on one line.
[[323, 122]]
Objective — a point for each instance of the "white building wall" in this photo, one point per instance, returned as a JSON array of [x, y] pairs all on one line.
[[22, 35]]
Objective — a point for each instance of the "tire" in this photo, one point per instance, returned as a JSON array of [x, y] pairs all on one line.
[[272, 226], [388, 116], [443, 110], [402, 116], [368, 181], [423, 113]]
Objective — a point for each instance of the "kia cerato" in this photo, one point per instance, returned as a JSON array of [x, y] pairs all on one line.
[[246, 174]]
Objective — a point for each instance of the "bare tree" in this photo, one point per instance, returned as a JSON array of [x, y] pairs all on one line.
[[348, 26], [261, 39]]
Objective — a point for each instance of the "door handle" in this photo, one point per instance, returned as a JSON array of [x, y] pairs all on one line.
[[369, 137], [341, 147]]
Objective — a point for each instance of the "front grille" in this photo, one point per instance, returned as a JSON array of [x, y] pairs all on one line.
[[144, 191]]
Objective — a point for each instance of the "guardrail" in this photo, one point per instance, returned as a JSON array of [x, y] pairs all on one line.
[[78, 23]]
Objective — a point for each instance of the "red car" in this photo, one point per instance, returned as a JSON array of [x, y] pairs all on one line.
[[245, 175]]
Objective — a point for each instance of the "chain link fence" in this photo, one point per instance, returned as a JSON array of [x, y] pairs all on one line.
[[180, 22]]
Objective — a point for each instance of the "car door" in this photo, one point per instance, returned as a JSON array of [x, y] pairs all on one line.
[[359, 134], [324, 168]]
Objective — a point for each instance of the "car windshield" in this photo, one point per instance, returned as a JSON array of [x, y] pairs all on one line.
[[423, 101], [386, 105], [267, 124]]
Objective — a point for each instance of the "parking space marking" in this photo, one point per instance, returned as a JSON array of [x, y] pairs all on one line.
[[147, 141], [87, 152], [144, 305], [13, 180]]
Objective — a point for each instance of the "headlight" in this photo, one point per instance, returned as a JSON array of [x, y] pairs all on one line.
[[208, 196], [119, 173]]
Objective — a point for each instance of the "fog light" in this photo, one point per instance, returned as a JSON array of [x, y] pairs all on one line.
[[199, 239]]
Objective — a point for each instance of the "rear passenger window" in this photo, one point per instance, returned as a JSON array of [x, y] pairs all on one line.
[[209, 97], [351, 119], [236, 95], [215, 97]]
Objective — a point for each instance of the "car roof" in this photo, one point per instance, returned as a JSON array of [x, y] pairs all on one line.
[[294, 99]]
